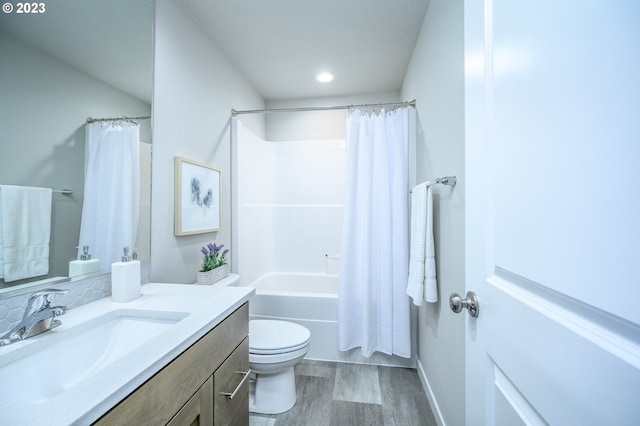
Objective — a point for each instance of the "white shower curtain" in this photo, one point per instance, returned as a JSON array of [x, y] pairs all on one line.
[[111, 190], [373, 304]]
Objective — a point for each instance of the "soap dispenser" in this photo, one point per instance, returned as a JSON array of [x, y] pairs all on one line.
[[85, 265], [125, 278]]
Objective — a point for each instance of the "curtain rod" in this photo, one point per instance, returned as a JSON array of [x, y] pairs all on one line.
[[95, 120], [255, 111]]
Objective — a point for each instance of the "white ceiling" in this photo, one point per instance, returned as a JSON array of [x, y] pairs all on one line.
[[278, 45]]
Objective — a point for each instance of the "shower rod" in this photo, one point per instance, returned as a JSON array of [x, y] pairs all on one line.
[[323, 108], [95, 120]]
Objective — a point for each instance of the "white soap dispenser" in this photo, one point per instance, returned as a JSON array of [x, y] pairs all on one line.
[[125, 279], [85, 265]]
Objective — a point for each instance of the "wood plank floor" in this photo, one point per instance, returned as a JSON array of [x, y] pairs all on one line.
[[337, 394]]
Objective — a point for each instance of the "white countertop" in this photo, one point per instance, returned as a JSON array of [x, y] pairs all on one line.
[[89, 399]]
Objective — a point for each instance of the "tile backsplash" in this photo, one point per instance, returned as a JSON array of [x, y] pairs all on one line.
[[80, 293]]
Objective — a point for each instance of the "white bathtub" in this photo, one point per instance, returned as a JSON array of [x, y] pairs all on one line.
[[297, 297], [310, 300], [320, 285]]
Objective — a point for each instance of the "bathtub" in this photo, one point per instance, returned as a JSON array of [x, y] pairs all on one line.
[[319, 285], [311, 300]]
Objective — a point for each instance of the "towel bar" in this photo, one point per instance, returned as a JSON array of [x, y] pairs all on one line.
[[445, 180]]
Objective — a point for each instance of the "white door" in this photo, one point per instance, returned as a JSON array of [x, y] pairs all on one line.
[[552, 126]]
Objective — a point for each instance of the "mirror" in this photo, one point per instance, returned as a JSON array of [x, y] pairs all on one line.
[[72, 60]]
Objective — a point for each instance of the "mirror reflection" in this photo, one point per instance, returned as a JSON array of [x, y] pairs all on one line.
[[78, 59]]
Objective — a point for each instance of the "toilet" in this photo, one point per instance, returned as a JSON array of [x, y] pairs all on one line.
[[275, 347]]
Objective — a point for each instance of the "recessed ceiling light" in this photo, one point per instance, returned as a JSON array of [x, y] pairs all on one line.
[[325, 77]]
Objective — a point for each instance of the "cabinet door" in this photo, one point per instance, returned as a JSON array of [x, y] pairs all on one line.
[[232, 379], [198, 411]]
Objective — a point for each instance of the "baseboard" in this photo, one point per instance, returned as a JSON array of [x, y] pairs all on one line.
[[430, 396]]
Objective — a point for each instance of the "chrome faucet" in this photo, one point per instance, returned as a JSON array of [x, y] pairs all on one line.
[[39, 316]]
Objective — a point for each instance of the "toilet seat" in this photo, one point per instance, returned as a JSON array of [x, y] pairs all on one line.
[[270, 337]]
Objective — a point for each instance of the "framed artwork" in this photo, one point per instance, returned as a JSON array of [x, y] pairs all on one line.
[[197, 197]]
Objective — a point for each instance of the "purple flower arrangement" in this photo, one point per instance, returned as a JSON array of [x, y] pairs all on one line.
[[212, 257]]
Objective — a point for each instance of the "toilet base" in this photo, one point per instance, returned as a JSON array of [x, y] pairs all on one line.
[[274, 393]]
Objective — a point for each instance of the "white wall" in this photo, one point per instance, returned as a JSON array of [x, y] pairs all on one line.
[[290, 198], [195, 88], [254, 237], [43, 108], [314, 125], [309, 204], [435, 78]]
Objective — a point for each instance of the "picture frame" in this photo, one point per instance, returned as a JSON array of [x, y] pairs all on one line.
[[196, 197]]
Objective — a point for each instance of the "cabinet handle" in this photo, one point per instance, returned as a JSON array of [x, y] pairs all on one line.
[[246, 374]]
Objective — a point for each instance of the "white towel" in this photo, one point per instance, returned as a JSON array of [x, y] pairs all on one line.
[[25, 213], [422, 283], [415, 285], [430, 284]]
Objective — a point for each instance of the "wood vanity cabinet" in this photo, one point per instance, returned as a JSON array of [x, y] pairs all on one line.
[[191, 389]]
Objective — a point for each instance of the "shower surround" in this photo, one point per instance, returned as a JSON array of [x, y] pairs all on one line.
[[288, 208], [289, 205]]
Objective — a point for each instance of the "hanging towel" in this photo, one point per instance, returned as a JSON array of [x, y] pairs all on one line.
[[25, 213], [415, 285], [430, 284], [422, 283]]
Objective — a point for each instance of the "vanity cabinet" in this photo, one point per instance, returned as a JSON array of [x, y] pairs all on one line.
[[198, 410], [192, 389]]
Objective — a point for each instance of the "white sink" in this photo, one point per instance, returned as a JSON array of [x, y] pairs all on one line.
[[104, 351], [42, 367]]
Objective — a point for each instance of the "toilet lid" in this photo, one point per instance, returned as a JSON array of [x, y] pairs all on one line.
[[272, 336]]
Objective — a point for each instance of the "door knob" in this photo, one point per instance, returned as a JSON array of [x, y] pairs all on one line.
[[456, 303]]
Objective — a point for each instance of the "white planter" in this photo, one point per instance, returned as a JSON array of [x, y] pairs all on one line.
[[214, 275]]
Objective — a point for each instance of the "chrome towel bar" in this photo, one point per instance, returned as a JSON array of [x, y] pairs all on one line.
[[447, 180]]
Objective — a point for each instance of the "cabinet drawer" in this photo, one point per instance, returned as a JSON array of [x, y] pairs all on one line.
[[162, 396], [232, 378]]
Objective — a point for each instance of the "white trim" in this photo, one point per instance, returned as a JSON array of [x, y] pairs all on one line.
[[589, 328], [435, 409], [516, 400]]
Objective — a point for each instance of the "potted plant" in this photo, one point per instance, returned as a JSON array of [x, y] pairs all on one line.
[[214, 264]]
